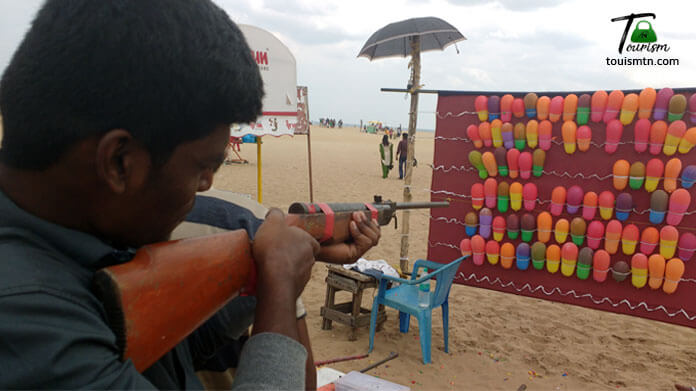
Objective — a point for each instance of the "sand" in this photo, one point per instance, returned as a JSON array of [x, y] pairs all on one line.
[[496, 340]]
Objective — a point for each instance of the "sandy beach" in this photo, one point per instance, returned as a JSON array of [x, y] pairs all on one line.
[[497, 341]]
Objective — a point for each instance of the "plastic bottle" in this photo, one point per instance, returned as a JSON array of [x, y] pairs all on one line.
[[424, 292]]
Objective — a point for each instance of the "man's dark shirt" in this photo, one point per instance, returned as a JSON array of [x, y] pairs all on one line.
[[402, 149]]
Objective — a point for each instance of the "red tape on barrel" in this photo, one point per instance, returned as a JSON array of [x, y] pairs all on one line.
[[328, 231], [372, 209]]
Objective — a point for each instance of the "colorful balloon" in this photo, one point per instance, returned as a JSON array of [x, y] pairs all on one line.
[[530, 104], [477, 195], [578, 227], [465, 247], [658, 132], [621, 169], [675, 132], [478, 245], [584, 109], [673, 274], [692, 108], [490, 192], [668, 241], [636, 175], [476, 161], [516, 196], [589, 205], [542, 107], [500, 155], [523, 254], [471, 223], [544, 222], [606, 204], [532, 133], [620, 271], [485, 221], [658, 206], [492, 252], [653, 173], [489, 163], [553, 258], [538, 159], [614, 132], [688, 141], [513, 226], [646, 101], [472, 133], [624, 206], [599, 105], [639, 270], [508, 135], [595, 233], [506, 107], [629, 239], [569, 258], [496, 132], [561, 230], [520, 136], [498, 228], [525, 163], [688, 176], [529, 193], [600, 265], [628, 109], [513, 161], [484, 129], [570, 106], [687, 246], [656, 268], [518, 108], [527, 224], [641, 135], [677, 107], [507, 255], [569, 131], [661, 103], [679, 202], [556, 108], [503, 197], [584, 136], [481, 106], [672, 170], [558, 199], [648, 240], [584, 263], [493, 107], [538, 255], [545, 131], [612, 236], [574, 199], [614, 102]]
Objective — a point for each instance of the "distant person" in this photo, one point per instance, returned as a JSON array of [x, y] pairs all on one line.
[[402, 154], [386, 150]]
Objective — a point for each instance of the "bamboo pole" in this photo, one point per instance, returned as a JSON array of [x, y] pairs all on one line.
[[309, 147], [413, 116]]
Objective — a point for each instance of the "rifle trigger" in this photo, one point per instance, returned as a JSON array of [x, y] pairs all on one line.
[[395, 222]]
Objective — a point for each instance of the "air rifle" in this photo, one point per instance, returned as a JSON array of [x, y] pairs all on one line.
[[153, 302]]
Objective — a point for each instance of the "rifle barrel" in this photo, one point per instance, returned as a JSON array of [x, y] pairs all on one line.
[[421, 205]]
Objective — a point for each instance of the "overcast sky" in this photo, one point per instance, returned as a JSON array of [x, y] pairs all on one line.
[[512, 45]]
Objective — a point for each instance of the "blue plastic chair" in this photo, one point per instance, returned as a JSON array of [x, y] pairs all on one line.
[[404, 298]]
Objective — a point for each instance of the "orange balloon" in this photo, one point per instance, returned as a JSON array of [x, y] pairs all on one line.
[[544, 222], [646, 101], [489, 162], [599, 105], [628, 109], [672, 170], [570, 107], [569, 131], [621, 168], [543, 104], [616, 98]]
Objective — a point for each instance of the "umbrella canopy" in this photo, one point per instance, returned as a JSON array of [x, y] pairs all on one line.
[[393, 39]]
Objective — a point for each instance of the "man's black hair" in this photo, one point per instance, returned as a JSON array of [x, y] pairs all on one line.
[[167, 71], [404, 136]]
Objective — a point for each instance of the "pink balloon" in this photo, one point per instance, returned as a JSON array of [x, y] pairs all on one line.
[[661, 103], [525, 165], [641, 134], [678, 204], [595, 233], [574, 199], [614, 132], [530, 193]]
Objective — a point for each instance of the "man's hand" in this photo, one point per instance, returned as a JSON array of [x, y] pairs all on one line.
[[365, 235]]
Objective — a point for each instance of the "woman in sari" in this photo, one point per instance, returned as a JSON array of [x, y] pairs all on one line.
[[386, 152]]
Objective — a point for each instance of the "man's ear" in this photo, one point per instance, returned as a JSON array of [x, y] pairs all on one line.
[[122, 163]]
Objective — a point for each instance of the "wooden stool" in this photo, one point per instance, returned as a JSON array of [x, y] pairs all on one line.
[[349, 313]]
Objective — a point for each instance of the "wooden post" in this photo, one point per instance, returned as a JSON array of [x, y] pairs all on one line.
[[412, 120], [309, 148]]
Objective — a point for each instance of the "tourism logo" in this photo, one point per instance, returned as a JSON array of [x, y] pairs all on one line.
[[643, 40]]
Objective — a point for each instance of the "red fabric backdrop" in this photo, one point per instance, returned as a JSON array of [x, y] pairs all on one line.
[[453, 176]]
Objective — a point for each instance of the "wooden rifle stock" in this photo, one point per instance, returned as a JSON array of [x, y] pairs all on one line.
[[169, 289]]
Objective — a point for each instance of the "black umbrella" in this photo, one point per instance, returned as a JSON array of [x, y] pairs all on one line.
[[410, 37]]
